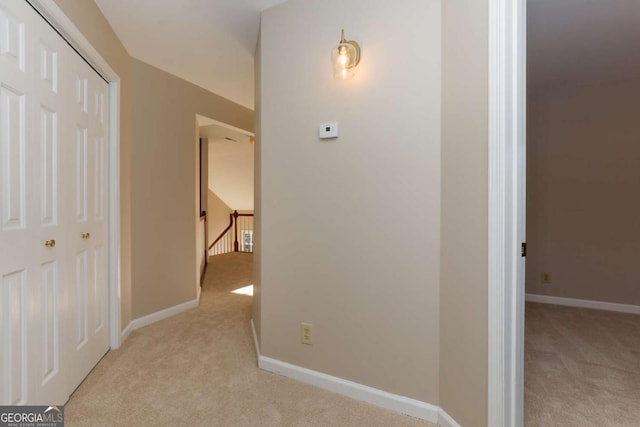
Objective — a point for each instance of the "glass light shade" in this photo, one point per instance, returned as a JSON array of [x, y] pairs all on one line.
[[344, 58]]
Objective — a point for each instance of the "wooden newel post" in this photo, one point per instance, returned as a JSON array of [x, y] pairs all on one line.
[[235, 220]]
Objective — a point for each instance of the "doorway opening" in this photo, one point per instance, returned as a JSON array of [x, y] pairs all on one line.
[[582, 314], [225, 200]]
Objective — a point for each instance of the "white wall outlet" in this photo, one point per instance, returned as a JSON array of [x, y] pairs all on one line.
[[328, 130], [306, 333]]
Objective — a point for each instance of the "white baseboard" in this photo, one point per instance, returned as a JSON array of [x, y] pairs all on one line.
[[383, 399], [255, 339], [155, 317], [572, 302], [444, 420], [125, 333], [393, 402]]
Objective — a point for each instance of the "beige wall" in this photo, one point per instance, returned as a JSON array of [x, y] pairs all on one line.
[[217, 216], [583, 183], [350, 228], [257, 189], [231, 172], [89, 20], [463, 310], [164, 216]]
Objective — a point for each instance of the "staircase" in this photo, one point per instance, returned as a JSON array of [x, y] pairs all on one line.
[[237, 237]]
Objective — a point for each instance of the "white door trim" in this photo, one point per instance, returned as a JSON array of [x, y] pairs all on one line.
[[507, 154], [52, 13]]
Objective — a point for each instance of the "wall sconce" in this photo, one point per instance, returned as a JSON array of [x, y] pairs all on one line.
[[345, 57]]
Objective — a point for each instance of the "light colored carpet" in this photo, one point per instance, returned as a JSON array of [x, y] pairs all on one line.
[[582, 367], [199, 368]]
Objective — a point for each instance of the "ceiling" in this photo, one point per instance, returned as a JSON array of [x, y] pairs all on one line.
[[224, 134], [208, 42], [582, 41]]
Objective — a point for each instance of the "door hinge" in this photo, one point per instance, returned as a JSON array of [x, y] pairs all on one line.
[[523, 250]]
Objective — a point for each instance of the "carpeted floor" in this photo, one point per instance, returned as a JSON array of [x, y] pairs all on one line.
[[582, 367], [199, 369]]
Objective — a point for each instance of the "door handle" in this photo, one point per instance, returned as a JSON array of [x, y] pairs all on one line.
[[85, 236], [50, 243]]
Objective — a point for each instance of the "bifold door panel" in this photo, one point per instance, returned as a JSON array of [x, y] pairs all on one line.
[[53, 204]]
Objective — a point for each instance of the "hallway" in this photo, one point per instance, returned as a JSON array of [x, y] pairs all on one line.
[[199, 368]]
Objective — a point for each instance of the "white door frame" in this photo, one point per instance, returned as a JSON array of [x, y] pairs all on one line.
[[52, 13], [507, 173]]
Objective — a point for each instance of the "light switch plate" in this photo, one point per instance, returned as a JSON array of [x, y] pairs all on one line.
[[329, 130]]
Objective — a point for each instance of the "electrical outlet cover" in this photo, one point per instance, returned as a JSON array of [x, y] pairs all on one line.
[[545, 278], [306, 333]]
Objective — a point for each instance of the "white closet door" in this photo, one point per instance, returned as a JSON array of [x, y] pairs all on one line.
[[52, 298], [47, 167], [18, 234], [88, 225]]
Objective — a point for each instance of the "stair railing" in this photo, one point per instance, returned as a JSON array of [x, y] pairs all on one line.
[[228, 240]]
